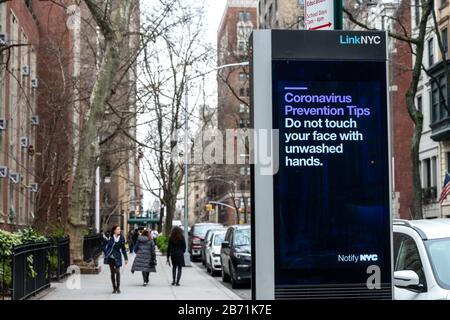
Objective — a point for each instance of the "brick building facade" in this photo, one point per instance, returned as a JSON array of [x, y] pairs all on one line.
[[18, 73], [230, 183]]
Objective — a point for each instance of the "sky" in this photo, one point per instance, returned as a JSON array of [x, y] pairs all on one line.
[[214, 13]]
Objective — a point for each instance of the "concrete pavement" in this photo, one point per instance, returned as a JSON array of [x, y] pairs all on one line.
[[195, 285]]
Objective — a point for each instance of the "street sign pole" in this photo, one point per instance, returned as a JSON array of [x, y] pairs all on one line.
[[338, 15]]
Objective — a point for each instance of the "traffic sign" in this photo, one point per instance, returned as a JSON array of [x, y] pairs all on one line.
[[320, 15]]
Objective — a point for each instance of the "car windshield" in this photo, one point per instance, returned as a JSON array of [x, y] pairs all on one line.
[[218, 239], [210, 233], [242, 237], [200, 231], [439, 251]]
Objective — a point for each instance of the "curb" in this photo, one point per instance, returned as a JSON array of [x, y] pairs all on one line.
[[228, 292]]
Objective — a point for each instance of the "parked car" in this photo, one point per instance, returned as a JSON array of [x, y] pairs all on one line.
[[213, 262], [236, 255], [197, 235], [422, 259], [206, 242]]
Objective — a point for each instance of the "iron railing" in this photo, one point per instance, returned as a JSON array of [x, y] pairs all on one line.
[[92, 247], [60, 258], [31, 270]]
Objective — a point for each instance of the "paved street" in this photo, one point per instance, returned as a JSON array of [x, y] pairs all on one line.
[[196, 284], [244, 293]]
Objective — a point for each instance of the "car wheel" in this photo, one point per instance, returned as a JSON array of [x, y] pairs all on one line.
[[234, 283], [225, 277]]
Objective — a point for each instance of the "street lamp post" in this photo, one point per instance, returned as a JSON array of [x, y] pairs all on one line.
[[187, 258]]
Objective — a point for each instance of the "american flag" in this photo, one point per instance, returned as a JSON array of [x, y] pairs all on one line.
[[446, 188]]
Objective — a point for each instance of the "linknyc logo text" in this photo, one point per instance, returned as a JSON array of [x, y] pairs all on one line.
[[359, 40]]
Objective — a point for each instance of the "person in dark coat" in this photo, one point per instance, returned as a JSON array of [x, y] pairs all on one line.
[[113, 248], [130, 241], [134, 237], [145, 259], [175, 250]]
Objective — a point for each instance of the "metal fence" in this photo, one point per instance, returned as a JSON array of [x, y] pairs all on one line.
[[31, 269], [60, 258], [92, 247]]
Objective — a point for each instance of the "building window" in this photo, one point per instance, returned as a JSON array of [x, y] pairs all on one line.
[[244, 123], [429, 175], [444, 37], [242, 77], [419, 103], [433, 172], [448, 161], [248, 16], [244, 171], [438, 100], [29, 4], [241, 16], [243, 108], [241, 92], [430, 52], [241, 46]]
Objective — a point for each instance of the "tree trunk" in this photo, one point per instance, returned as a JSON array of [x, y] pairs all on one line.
[[415, 114], [83, 180], [161, 217], [170, 211], [417, 210]]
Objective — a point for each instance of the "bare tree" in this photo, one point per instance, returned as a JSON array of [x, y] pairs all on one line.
[[167, 66]]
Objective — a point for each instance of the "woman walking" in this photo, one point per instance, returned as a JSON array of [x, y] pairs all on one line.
[[114, 247], [175, 250], [145, 259]]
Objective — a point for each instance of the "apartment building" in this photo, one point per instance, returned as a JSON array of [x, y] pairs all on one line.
[[432, 98], [46, 77], [19, 41], [230, 183]]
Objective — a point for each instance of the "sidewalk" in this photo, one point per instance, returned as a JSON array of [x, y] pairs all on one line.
[[195, 285]]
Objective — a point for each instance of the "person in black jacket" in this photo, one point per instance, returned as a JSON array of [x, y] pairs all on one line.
[[134, 238], [113, 248], [175, 250]]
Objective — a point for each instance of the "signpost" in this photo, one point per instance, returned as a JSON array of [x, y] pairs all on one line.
[[322, 222], [323, 14]]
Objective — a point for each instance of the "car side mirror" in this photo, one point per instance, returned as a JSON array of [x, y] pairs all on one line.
[[225, 244], [407, 279]]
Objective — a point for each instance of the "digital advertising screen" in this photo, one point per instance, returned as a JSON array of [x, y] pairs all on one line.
[[331, 192]]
